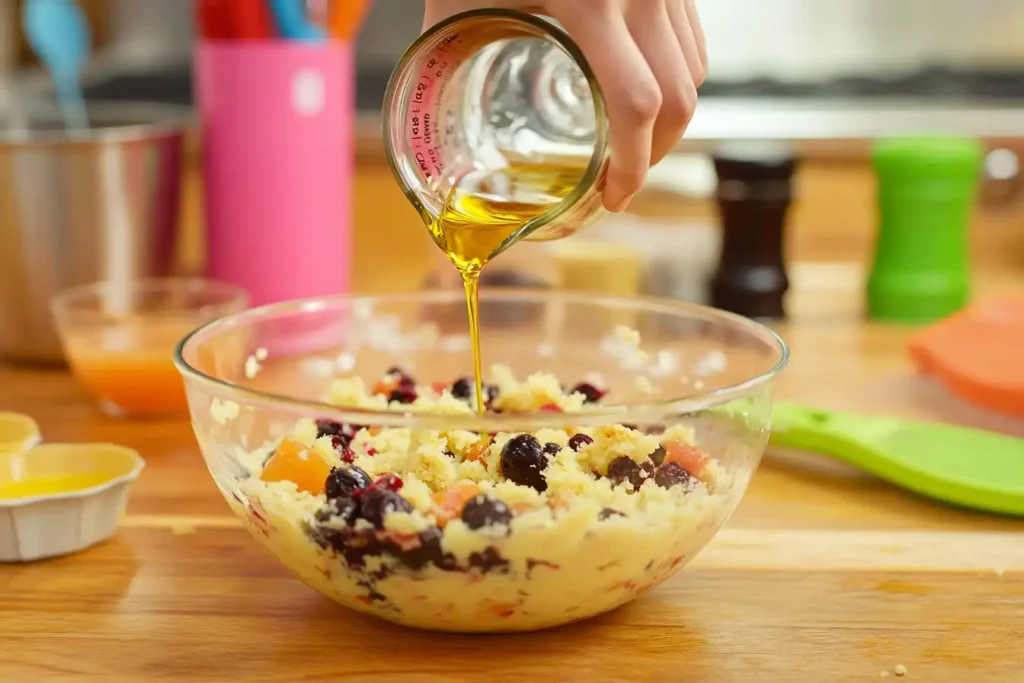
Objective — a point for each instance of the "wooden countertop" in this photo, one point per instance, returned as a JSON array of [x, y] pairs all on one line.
[[823, 574]]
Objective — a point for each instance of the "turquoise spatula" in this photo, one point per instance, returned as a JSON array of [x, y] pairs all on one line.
[[60, 37], [291, 21], [967, 467]]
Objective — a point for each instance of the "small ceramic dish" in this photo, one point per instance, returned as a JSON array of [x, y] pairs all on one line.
[[57, 499], [18, 433]]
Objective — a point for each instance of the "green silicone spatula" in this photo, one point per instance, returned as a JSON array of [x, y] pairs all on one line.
[[967, 467]]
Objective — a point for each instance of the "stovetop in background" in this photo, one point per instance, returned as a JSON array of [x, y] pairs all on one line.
[[937, 83], [174, 86]]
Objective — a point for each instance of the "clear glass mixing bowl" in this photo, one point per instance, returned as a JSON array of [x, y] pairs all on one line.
[[664, 459]]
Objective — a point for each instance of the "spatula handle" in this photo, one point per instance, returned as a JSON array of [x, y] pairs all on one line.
[[71, 101], [829, 432], [956, 465]]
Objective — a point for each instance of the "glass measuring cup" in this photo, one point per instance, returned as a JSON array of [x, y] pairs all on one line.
[[488, 89]]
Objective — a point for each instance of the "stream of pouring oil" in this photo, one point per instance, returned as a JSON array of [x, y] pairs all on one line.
[[482, 211]]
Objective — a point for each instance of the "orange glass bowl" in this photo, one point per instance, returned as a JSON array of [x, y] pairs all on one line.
[[119, 339]]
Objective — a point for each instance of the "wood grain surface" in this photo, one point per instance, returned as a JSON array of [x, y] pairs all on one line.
[[823, 574]]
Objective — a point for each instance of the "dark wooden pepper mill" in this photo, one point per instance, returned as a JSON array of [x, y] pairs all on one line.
[[755, 188]]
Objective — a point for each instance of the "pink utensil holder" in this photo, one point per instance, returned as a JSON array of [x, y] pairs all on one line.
[[277, 121]]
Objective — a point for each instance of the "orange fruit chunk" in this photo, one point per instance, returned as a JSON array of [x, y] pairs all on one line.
[[559, 501], [686, 456], [384, 387], [294, 462], [448, 504], [476, 451]]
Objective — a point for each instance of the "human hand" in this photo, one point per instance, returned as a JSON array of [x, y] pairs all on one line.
[[648, 57]]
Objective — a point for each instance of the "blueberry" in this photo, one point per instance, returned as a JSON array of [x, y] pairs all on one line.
[[428, 552], [342, 482], [356, 546], [338, 508], [552, 449], [401, 375], [523, 462], [622, 469], [647, 470], [625, 470], [403, 393], [671, 474], [591, 394], [482, 511], [578, 441], [488, 561], [377, 504], [329, 535], [331, 428], [462, 388]]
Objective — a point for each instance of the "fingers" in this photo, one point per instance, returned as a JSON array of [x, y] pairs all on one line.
[[683, 16], [691, 37], [655, 35], [648, 56], [631, 92]]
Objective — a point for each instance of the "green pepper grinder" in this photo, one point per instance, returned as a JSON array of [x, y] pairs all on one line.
[[926, 188]]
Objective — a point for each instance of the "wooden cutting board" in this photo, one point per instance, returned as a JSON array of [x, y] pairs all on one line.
[[823, 574]]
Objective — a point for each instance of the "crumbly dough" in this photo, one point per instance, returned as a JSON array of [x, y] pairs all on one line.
[[582, 547]]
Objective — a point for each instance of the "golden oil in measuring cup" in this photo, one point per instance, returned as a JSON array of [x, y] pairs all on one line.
[[483, 210], [470, 100]]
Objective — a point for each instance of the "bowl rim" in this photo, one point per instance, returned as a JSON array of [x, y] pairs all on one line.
[[231, 298], [135, 122], [424, 419]]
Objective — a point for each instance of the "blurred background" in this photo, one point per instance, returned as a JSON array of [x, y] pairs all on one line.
[[931, 49], [813, 82]]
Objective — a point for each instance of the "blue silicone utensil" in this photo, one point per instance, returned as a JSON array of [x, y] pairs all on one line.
[[291, 21], [60, 37], [967, 467]]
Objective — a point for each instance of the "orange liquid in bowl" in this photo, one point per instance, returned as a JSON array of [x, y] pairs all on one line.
[[129, 366]]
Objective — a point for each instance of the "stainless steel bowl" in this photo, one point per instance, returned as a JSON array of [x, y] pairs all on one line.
[[82, 207]]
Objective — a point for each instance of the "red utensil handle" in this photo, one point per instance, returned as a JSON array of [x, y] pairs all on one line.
[[252, 19], [212, 19]]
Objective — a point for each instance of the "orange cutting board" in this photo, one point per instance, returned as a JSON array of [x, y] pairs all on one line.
[[978, 354]]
